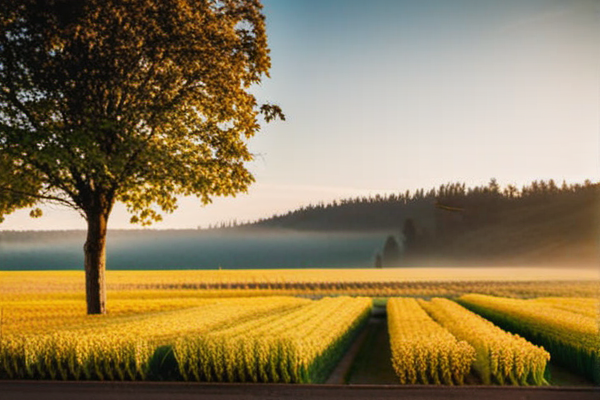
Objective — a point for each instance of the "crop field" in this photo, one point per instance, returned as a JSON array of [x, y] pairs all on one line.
[[283, 339], [423, 351], [294, 327], [501, 357], [301, 345], [567, 328]]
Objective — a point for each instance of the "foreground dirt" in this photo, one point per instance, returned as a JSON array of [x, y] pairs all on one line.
[[33, 390]]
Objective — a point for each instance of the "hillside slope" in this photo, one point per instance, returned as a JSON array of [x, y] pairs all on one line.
[[558, 232], [539, 224]]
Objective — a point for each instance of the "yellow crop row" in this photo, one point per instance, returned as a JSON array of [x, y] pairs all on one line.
[[422, 350], [578, 329], [588, 306], [572, 338], [501, 356], [47, 315], [301, 345], [120, 347]]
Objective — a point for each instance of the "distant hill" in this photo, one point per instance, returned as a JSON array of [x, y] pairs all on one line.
[[541, 222], [359, 214], [558, 229]]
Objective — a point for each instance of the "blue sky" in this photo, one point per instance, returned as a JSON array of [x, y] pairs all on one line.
[[384, 96]]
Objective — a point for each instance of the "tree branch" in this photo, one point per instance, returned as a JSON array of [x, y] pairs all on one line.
[[57, 199]]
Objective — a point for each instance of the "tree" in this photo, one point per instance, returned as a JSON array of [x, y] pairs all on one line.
[[378, 261], [137, 101], [510, 191], [391, 251], [494, 187]]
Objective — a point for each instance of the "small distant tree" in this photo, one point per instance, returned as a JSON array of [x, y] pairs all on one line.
[[493, 186], [511, 191], [391, 251], [136, 101], [378, 261]]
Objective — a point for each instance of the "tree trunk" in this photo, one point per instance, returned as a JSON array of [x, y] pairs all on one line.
[[95, 262]]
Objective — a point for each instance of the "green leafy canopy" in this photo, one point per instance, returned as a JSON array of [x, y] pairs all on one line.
[[136, 101]]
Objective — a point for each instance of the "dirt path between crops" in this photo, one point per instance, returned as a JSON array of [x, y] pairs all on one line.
[[339, 374], [49, 390], [372, 364], [345, 371]]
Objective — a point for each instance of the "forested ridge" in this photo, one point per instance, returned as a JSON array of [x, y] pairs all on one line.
[[540, 220], [478, 205]]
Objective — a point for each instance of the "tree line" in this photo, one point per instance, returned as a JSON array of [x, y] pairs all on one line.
[[477, 204], [430, 222]]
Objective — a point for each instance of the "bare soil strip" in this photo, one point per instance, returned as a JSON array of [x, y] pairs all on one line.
[[338, 375], [34, 390], [372, 365]]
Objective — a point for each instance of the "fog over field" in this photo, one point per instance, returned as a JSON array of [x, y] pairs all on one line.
[[241, 248], [193, 249]]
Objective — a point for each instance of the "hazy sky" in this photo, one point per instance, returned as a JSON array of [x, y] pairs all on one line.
[[384, 96]]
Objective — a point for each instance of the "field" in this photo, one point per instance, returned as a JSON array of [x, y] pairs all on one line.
[[293, 326]]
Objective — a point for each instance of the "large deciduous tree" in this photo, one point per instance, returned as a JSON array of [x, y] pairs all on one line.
[[137, 101]]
